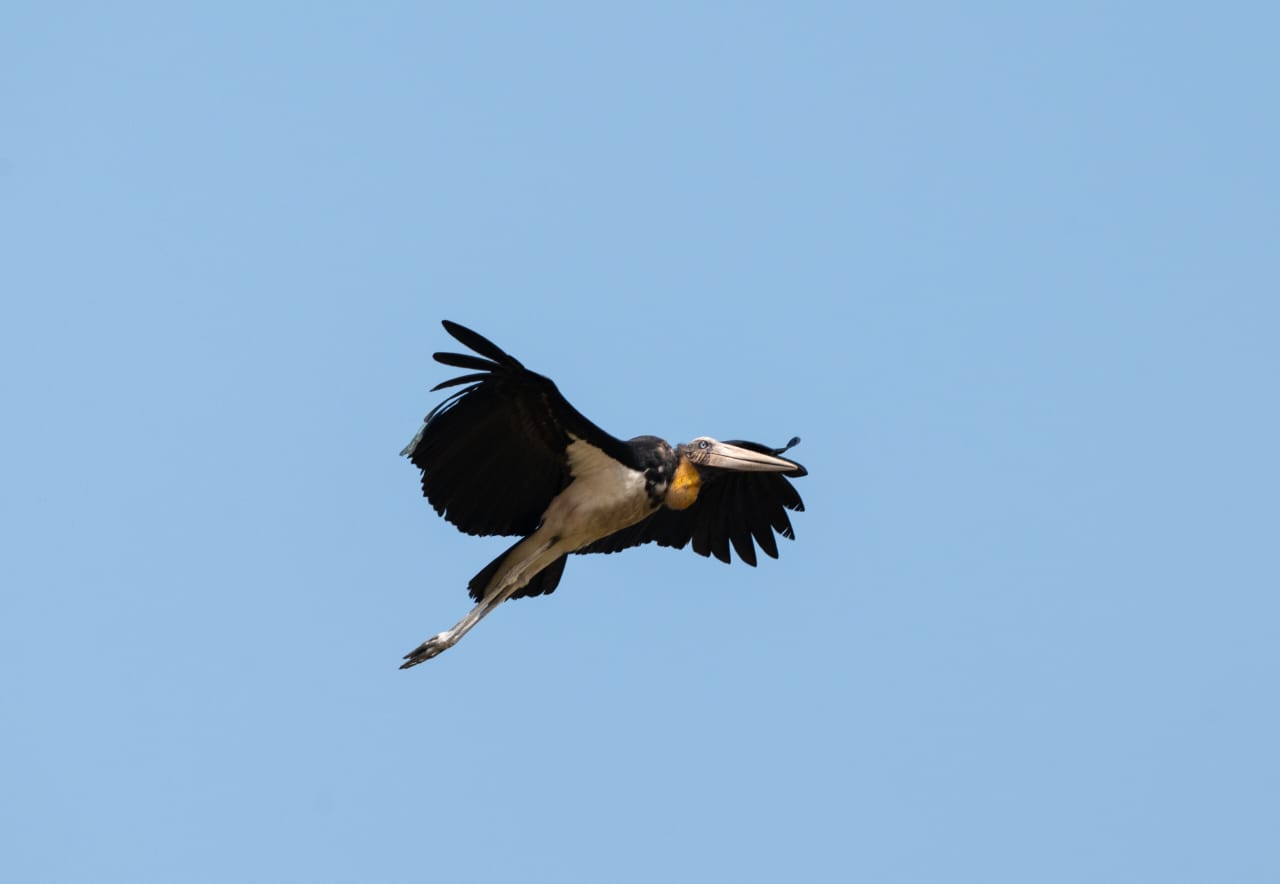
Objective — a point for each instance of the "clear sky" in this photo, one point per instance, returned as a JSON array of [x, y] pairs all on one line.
[[1011, 272]]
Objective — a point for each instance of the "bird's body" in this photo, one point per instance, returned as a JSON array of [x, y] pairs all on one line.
[[604, 496], [509, 455]]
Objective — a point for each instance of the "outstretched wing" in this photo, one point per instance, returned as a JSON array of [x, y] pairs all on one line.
[[493, 454], [733, 508]]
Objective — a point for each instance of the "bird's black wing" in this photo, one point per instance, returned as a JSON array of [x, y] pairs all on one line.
[[732, 509], [493, 454]]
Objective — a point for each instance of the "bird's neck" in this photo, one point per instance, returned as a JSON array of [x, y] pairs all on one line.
[[683, 490]]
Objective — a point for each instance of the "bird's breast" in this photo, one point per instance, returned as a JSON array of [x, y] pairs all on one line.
[[605, 496]]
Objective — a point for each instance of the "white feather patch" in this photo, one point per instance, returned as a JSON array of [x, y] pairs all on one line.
[[604, 496]]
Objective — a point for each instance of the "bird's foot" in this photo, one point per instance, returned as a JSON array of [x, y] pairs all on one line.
[[432, 647]]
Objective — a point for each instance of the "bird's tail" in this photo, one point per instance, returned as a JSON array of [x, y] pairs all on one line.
[[545, 581]]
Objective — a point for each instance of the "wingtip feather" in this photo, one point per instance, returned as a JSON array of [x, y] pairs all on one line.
[[479, 343]]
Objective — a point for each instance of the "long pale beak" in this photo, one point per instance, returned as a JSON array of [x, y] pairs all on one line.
[[732, 457]]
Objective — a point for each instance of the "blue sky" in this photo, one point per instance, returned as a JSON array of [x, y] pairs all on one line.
[[1011, 273]]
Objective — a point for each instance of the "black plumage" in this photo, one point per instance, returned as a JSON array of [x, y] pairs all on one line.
[[493, 455]]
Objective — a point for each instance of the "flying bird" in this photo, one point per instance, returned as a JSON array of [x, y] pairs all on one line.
[[508, 455]]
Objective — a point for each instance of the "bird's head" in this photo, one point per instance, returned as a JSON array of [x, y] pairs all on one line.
[[705, 455]]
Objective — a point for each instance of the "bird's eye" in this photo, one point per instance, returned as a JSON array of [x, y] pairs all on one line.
[[703, 443]]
